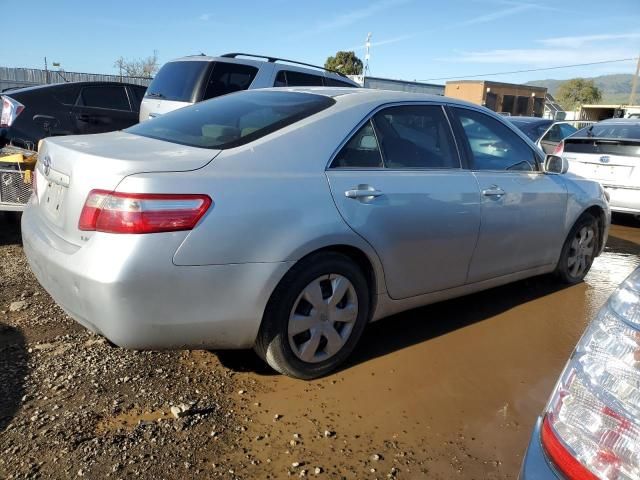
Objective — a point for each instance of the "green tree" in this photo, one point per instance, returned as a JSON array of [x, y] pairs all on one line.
[[578, 91], [345, 62]]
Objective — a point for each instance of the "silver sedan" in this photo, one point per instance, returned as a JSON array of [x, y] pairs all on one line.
[[285, 220]]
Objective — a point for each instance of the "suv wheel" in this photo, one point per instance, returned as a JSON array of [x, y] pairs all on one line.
[[315, 316]]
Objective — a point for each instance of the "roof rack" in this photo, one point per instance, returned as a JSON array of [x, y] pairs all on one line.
[[276, 59]]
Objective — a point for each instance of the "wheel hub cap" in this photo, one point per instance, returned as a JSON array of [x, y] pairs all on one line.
[[322, 318], [581, 251]]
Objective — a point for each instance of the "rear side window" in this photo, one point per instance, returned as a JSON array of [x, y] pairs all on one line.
[[492, 145], [177, 81], [289, 78], [111, 97], [416, 136], [332, 82], [361, 151], [232, 120], [229, 77]]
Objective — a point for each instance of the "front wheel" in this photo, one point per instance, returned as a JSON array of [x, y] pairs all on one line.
[[315, 317], [579, 250]]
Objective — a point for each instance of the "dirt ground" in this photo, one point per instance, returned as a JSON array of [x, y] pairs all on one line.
[[447, 391]]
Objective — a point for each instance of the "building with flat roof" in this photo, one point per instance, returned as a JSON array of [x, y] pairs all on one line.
[[397, 85], [506, 98]]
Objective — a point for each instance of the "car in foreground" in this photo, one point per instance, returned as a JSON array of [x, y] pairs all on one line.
[[545, 133], [609, 152], [286, 220], [590, 428], [191, 79]]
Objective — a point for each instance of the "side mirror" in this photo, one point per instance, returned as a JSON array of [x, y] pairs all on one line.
[[556, 164]]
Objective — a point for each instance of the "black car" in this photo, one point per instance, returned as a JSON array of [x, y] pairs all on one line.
[[32, 113], [545, 133]]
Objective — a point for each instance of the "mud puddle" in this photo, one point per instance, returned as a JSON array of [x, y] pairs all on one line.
[[447, 391]]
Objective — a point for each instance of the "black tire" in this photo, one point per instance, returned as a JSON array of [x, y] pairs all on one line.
[[273, 343], [564, 269]]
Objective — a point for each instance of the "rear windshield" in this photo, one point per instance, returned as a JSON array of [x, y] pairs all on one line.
[[630, 131], [532, 130], [177, 81], [232, 120]]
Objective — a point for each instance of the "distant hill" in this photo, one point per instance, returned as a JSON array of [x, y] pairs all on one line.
[[615, 88]]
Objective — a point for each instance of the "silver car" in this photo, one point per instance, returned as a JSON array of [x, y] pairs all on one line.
[[285, 220]]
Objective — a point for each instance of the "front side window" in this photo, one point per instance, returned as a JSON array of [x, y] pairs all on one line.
[[361, 151], [492, 145], [416, 136], [111, 97], [229, 77], [232, 120]]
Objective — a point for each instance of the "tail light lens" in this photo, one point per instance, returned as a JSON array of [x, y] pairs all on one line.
[[10, 110], [114, 212], [591, 427], [559, 149]]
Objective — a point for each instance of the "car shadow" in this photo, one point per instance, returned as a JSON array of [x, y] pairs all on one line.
[[13, 372], [10, 228], [409, 328]]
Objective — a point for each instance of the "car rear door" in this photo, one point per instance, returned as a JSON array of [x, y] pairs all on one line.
[[523, 209], [102, 108], [398, 183]]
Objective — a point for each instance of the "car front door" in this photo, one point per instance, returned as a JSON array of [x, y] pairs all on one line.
[[398, 183], [523, 209], [102, 108]]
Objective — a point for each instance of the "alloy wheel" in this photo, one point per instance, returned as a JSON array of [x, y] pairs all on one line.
[[581, 251]]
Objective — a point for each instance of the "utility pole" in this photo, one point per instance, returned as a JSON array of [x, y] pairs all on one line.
[[46, 71], [634, 85], [367, 56]]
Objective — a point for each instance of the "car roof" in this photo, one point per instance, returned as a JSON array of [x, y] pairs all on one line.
[[620, 121], [364, 95], [54, 86], [529, 119], [257, 61]]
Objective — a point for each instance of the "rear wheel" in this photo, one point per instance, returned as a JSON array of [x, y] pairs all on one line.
[[315, 316], [579, 250]]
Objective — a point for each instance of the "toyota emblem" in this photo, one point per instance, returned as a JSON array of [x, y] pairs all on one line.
[[46, 163], [604, 159]]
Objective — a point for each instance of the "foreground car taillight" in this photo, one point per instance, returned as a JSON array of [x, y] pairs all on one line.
[[115, 212], [10, 110], [559, 148], [591, 427]]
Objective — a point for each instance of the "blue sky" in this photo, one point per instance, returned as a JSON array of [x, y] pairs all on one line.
[[411, 39]]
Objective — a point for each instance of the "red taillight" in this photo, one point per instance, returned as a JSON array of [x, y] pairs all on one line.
[[559, 148], [115, 212], [10, 111], [561, 457]]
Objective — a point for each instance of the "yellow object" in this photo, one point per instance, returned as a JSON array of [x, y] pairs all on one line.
[[13, 158], [27, 177]]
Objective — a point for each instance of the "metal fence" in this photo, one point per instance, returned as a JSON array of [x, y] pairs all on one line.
[[25, 77]]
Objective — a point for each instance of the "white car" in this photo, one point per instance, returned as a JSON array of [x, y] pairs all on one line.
[[188, 80], [609, 152]]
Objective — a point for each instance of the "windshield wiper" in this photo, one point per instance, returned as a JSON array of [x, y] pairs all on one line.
[[155, 94]]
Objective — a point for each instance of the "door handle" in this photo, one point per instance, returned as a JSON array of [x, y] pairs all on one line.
[[494, 191], [362, 192]]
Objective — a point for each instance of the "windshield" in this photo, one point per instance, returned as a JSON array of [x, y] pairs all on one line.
[[177, 81], [627, 131], [232, 120]]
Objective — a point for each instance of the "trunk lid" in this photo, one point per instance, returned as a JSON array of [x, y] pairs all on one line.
[[612, 162], [70, 167]]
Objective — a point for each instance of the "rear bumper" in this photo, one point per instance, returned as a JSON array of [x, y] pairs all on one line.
[[126, 288], [535, 465], [623, 199]]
